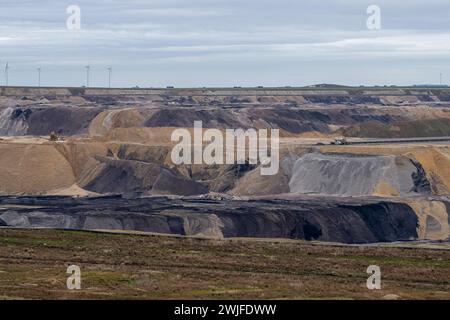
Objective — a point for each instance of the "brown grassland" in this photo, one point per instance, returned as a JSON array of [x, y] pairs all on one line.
[[33, 265]]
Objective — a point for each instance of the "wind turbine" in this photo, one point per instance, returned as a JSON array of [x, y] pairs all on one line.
[[6, 73], [88, 69], [39, 76], [109, 79]]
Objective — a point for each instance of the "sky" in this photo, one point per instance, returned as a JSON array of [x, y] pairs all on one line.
[[217, 43]]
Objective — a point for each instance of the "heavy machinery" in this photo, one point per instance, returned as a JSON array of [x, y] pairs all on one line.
[[340, 142]]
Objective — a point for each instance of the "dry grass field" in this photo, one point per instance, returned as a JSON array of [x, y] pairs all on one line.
[[33, 265]]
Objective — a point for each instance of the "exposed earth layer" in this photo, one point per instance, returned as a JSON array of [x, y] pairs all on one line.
[[115, 155]]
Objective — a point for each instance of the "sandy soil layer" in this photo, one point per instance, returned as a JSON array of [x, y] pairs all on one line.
[[118, 142]]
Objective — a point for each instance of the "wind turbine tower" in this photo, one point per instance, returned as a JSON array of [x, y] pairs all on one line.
[[6, 73], [88, 69], [39, 76], [109, 77]]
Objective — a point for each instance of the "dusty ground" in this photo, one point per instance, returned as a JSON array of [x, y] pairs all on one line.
[[33, 266]]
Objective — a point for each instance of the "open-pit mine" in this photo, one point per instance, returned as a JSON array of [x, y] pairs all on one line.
[[357, 165]]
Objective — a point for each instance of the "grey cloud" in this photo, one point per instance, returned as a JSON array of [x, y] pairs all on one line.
[[226, 41]]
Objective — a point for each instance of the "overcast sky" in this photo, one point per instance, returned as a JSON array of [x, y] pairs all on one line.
[[225, 42]]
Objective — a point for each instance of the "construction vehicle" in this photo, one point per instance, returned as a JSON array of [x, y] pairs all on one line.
[[340, 142]]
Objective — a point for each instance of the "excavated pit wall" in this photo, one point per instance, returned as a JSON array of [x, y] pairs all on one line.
[[357, 175], [367, 222], [73, 111], [69, 111]]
